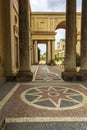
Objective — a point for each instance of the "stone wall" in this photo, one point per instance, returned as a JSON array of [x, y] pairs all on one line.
[[9, 37], [12, 38], [2, 41]]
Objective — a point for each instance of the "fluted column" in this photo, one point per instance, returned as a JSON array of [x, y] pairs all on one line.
[[25, 73], [35, 52], [48, 51], [70, 56], [53, 49], [84, 40]]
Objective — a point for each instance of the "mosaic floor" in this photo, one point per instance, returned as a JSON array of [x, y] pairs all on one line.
[[62, 100], [53, 97], [43, 74], [45, 101]]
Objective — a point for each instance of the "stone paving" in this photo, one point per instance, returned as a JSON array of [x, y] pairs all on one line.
[[45, 105], [69, 100], [6, 88], [44, 74], [48, 126]]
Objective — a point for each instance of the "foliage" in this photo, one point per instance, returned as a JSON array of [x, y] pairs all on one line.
[[38, 54], [77, 59], [59, 58], [52, 62], [43, 58], [56, 58]]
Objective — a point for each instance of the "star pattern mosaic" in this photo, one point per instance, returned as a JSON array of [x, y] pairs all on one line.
[[44, 75], [53, 98]]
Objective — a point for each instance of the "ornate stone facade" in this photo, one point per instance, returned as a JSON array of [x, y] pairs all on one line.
[[61, 48], [9, 41], [13, 53], [44, 25]]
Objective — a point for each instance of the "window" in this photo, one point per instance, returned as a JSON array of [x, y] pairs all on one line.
[[42, 24]]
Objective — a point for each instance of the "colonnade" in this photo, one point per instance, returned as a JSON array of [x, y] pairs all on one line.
[[50, 51], [70, 57], [70, 72], [29, 54]]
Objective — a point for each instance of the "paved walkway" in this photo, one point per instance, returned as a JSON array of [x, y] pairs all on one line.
[[45, 74], [47, 103]]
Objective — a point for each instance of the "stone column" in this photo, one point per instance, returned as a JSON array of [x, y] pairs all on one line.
[[35, 52], [78, 45], [70, 56], [84, 41], [32, 56], [48, 51], [3, 40], [25, 73], [53, 49]]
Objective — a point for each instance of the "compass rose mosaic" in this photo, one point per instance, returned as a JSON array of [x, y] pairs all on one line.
[[53, 98]]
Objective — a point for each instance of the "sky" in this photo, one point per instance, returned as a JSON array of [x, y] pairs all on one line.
[[52, 6]]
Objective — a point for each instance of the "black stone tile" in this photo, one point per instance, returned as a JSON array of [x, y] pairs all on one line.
[[31, 98], [32, 91], [66, 103], [46, 103], [71, 91], [44, 88], [6, 88], [48, 126], [78, 98]]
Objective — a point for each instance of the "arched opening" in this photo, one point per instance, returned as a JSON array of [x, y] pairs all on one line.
[[60, 43], [42, 53]]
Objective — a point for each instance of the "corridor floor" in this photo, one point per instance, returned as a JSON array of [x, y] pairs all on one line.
[[44, 74], [47, 103]]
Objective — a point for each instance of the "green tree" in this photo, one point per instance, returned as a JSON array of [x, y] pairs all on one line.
[[38, 54]]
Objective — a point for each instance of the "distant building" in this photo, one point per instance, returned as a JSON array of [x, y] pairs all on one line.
[[60, 51], [61, 48]]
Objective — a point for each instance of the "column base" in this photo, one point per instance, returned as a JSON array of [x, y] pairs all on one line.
[[82, 75], [69, 75], [35, 63], [11, 78], [24, 76], [11, 75]]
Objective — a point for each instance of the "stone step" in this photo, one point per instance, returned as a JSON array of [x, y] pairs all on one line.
[[47, 126], [2, 124]]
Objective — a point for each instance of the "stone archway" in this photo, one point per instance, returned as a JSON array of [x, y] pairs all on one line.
[[62, 24], [44, 25], [43, 52], [60, 43]]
